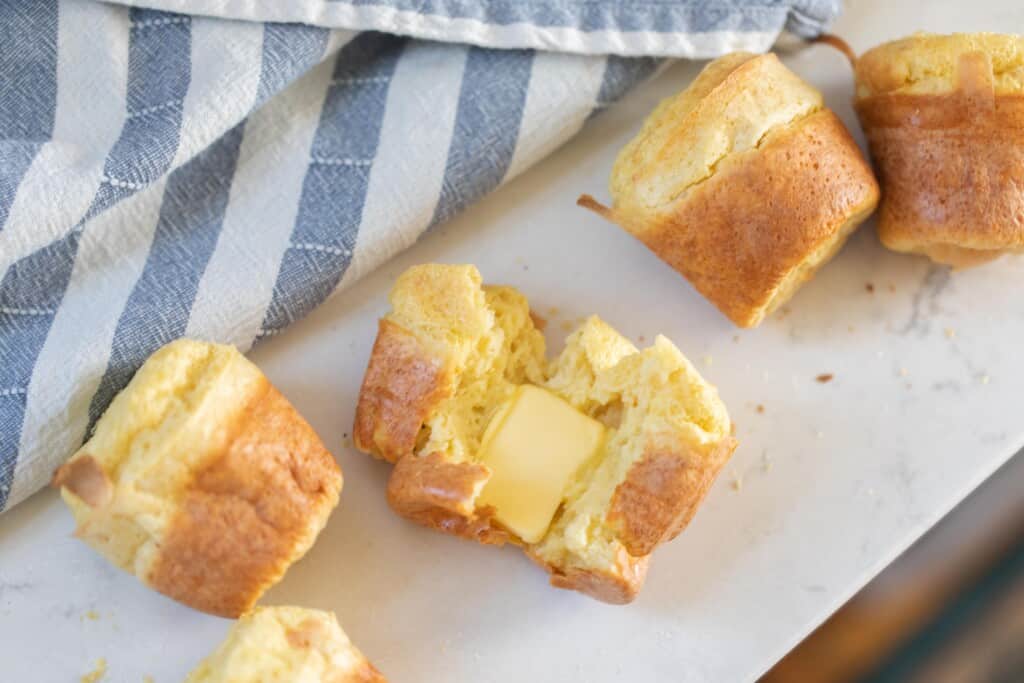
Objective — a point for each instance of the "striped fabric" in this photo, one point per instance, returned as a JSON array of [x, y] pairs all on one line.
[[166, 174]]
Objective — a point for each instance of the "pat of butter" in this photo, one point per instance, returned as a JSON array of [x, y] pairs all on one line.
[[534, 445]]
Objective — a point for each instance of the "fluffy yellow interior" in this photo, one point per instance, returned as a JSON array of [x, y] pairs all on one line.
[[640, 396], [281, 645], [730, 107], [175, 412], [928, 63]]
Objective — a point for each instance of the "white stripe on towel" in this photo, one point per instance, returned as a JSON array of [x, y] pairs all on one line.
[[415, 135], [111, 256], [261, 212], [92, 75], [558, 81], [205, 118]]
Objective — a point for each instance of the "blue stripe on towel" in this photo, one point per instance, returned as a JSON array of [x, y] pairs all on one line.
[[191, 218], [28, 97], [621, 74], [160, 69], [695, 16], [487, 122], [288, 50], [334, 189], [157, 72], [29, 295]]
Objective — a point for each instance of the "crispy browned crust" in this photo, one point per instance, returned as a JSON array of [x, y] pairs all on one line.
[[250, 513], [662, 492], [952, 167], [737, 235], [404, 382], [440, 495], [617, 586], [364, 673], [84, 477]]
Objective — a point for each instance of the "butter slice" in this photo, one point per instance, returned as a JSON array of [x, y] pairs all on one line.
[[534, 445]]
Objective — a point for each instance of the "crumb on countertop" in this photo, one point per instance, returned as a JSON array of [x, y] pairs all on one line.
[[737, 481], [950, 333], [825, 377], [553, 311], [760, 408], [98, 672], [640, 339], [91, 615], [566, 326], [870, 287], [708, 360], [892, 288], [735, 339], [985, 379], [766, 462]]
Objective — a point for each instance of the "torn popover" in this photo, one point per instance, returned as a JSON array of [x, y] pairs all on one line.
[[201, 479], [588, 461], [286, 645], [944, 117], [745, 183]]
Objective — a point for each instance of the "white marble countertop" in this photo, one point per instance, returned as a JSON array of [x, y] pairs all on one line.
[[831, 481]]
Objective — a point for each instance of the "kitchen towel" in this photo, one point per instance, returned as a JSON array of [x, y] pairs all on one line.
[[217, 168]]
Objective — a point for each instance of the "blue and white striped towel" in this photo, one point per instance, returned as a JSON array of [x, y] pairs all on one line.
[[215, 174]]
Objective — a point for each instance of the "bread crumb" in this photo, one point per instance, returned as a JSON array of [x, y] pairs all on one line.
[[825, 377], [985, 379], [148, 679], [735, 339], [870, 287], [851, 328], [903, 372], [950, 333], [892, 288], [760, 409], [640, 339], [737, 481], [98, 672], [91, 615], [553, 311], [708, 360], [766, 462], [566, 326]]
